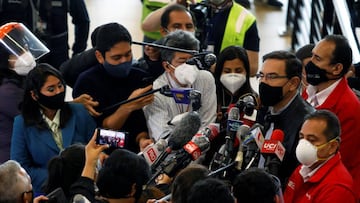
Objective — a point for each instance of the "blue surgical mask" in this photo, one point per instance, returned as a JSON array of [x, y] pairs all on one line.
[[121, 70]]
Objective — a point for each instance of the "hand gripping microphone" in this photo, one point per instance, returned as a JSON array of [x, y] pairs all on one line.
[[182, 133], [273, 151]]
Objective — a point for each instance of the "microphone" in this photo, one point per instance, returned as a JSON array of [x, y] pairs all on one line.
[[153, 151], [202, 60], [165, 90], [253, 143], [240, 134], [223, 156], [191, 151], [247, 104], [182, 133], [274, 152], [78, 198], [211, 131]]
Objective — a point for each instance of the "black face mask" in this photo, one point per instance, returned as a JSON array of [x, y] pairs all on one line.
[[314, 74], [269, 95], [53, 102]]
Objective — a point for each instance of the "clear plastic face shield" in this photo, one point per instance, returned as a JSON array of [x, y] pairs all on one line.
[[20, 41]]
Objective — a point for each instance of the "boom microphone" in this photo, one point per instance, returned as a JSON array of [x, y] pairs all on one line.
[[203, 60], [182, 133], [165, 90]]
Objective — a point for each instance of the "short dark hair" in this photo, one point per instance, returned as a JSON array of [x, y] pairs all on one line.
[[293, 66], [165, 17], [342, 52], [179, 39], [65, 169], [333, 129], [255, 186], [184, 180], [304, 51], [120, 171], [210, 190], [110, 34]]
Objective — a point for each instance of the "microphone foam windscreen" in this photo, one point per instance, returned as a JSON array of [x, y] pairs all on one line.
[[278, 135], [185, 130]]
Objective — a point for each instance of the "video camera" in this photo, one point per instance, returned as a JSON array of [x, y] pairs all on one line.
[[202, 14]]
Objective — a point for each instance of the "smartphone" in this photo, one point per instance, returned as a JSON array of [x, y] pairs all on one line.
[[116, 139]]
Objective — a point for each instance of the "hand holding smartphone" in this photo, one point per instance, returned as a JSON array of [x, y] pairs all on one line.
[[115, 139]]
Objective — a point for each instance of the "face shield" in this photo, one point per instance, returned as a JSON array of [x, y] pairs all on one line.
[[18, 40]]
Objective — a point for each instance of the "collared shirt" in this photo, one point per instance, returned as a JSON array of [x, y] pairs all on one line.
[[271, 128], [307, 173], [55, 128], [318, 98]]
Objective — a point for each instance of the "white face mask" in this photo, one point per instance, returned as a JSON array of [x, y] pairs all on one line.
[[306, 153], [233, 81], [24, 64], [186, 74]]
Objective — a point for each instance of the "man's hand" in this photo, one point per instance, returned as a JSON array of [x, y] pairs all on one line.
[[141, 102], [144, 142], [89, 104]]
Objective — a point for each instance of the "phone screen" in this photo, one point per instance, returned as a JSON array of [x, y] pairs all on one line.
[[113, 138]]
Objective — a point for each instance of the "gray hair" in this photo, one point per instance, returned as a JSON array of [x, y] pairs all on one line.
[[9, 179], [179, 39]]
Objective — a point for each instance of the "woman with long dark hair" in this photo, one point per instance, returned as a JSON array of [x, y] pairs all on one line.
[[47, 123]]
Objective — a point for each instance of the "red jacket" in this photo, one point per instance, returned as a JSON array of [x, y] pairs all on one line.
[[332, 183], [344, 103]]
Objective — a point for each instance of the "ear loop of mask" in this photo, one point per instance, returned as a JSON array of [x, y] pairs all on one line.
[[322, 146]]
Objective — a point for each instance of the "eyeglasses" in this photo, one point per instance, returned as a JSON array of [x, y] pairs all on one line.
[[270, 76]]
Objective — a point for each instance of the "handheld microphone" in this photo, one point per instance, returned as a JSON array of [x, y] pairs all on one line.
[[274, 152], [182, 133], [253, 144], [153, 151], [247, 104], [191, 151], [211, 131], [241, 132]]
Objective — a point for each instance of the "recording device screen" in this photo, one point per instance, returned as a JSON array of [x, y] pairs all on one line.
[[115, 139]]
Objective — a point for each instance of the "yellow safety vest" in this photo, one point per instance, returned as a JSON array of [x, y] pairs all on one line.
[[148, 7], [238, 22]]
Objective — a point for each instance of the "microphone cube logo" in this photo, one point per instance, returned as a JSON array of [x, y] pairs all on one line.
[[233, 125], [193, 150], [273, 147], [151, 154]]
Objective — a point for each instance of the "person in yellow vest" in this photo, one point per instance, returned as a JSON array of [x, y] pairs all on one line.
[[152, 34], [240, 29], [232, 24]]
